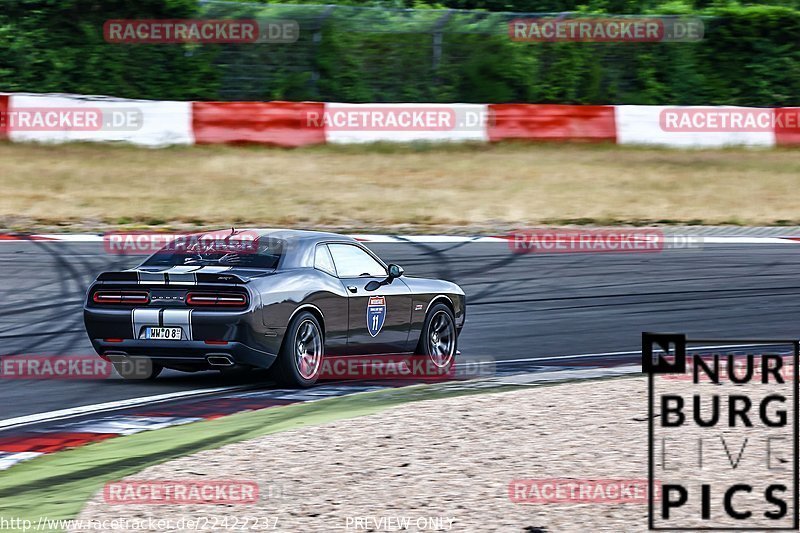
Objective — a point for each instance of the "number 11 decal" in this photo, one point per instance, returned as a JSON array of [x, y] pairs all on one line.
[[376, 314]]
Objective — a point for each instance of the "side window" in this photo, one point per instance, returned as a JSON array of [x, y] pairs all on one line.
[[353, 262], [323, 261]]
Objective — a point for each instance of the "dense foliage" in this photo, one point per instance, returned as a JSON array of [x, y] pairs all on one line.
[[750, 55], [58, 46]]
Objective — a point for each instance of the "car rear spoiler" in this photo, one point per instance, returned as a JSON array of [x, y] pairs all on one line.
[[149, 277]]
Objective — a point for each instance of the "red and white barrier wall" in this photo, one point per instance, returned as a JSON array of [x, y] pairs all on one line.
[[545, 122], [364, 123], [642, 125], [292, 124], [277, 123], [3, 110], [155, 123]]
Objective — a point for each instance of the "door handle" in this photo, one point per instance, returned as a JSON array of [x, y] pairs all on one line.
[[352, 288]]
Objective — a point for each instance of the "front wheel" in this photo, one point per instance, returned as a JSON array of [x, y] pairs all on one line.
[[439, 338], [300, 359]]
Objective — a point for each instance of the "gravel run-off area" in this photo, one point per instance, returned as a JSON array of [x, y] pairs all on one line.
[[447, 464]]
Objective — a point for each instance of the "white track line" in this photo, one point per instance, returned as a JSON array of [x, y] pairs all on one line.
[[72, 412], [591, 355], [565, 375]]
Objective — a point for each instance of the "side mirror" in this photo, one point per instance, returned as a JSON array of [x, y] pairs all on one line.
[[395, 271]]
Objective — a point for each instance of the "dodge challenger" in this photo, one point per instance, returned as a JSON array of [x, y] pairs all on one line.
[[276, 299]]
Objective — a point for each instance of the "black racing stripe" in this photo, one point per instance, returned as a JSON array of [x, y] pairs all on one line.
[[155, 277], [182, 278], [161, 317]]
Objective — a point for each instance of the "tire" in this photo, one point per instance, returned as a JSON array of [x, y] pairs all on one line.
[[303, 336], [439, 348], [138, 368]]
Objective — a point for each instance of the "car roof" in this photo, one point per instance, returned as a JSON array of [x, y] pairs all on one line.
[[301, 244], [303, 235]]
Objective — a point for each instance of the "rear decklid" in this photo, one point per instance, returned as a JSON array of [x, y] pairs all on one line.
[[183, 275]]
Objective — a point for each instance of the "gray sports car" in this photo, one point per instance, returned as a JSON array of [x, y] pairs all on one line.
[[278, 299]]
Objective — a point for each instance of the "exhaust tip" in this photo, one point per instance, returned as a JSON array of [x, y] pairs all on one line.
[[219, 360]]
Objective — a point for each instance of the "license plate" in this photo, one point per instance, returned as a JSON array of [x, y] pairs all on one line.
[[163, 334]]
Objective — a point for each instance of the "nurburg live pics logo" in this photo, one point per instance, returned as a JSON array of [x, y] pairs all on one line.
[[722, 443]]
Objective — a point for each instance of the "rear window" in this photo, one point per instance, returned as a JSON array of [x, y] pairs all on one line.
[[262, 253]]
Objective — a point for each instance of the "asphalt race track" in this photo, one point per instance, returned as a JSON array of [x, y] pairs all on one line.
[[530, 306]]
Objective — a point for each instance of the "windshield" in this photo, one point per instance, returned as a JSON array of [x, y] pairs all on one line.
[[261, 253]]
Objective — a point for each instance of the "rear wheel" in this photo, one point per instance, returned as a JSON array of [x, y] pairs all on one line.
[[300, 359], [439, 340], [137, 368]]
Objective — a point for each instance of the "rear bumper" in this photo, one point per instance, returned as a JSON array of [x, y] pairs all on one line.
[[185, 353], [239, 335]]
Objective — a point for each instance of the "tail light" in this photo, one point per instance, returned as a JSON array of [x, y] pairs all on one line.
[[216, 299], [121, 297]]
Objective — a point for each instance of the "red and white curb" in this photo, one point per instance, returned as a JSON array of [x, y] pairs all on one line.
[[7, 460], [25, 445], [17, 448], [684, 241], [22, 441]]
